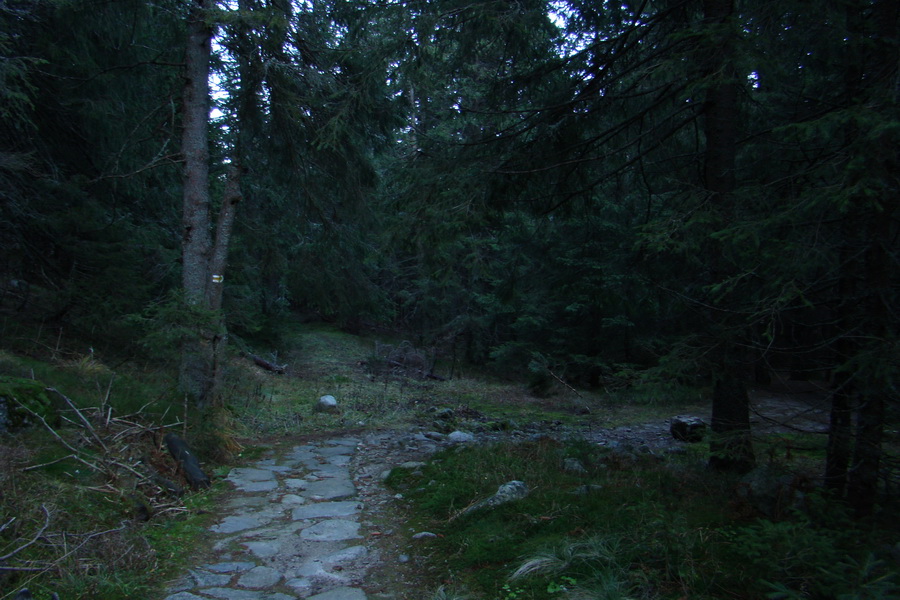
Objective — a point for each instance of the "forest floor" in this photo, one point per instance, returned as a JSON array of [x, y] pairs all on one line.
[[311, 517], [301, 469]]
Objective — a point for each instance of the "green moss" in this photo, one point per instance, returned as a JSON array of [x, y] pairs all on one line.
[[24, 398], [659, 516]]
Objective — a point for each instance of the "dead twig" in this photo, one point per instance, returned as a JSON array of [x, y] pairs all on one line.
[[34, 538], [560, 379], [7, 524], [75, 453], [46, 464], [84, 421]]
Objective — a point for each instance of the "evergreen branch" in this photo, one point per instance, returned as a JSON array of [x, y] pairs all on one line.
[[167, 159]]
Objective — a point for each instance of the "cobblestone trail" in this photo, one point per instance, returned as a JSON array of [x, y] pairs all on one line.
[[291, 530], [299, 525]]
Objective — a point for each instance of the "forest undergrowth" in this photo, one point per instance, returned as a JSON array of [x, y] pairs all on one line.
[[633, 526], [86, 509]]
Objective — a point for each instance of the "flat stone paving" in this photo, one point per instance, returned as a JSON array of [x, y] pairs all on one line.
[[292, 532]]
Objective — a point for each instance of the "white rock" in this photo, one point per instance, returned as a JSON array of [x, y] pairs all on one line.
[[326, 404], [461, 437]]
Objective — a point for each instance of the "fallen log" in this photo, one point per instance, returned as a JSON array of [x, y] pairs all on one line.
[[189, 464], [267, 365]]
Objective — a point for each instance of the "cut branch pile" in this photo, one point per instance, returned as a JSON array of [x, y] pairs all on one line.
[[127, 462]]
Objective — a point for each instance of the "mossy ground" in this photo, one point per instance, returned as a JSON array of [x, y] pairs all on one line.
[[632, 526], [647, 529]]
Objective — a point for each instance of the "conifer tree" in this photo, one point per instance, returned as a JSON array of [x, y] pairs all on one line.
[[203, 258]]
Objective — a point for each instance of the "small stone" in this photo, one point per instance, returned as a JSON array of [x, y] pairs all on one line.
[[508, 492], [235, 523], [423, 535], [326, 404], [443, 413], [341, 593], [403, 558], [326, 510], [259, 578], [412, 465], [232, 594], [687, 429], [299, 584], [333, 530], [263, 549], [345, 556], [250, 474], [335, 488], [229, 567], [207, 579], [461, 437], [573, 465]]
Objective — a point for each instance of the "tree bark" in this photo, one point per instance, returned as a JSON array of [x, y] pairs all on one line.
[[870, 85], [840, 430], [837, 453], [731, 447], [219, 257], [203, 262], [196, 241], [862, 485]]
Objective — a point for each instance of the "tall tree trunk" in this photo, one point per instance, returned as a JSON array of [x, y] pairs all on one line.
[[731, 447], [196, 375], [203, 262], [196, 240], [840, 430], [870, 85], [862, 485], [837, 453]]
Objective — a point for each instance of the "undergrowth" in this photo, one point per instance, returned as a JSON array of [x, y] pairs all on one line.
[[631, 526], [66, 529], [624, 525], [79, 513]]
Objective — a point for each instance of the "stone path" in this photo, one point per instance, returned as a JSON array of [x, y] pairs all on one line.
[[292, 530], [314, 522]]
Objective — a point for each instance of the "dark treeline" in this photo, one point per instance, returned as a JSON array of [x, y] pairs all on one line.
[[694, 191]]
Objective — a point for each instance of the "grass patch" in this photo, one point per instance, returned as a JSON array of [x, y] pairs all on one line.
[[324, 360], [88, 381], [625, 526]]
